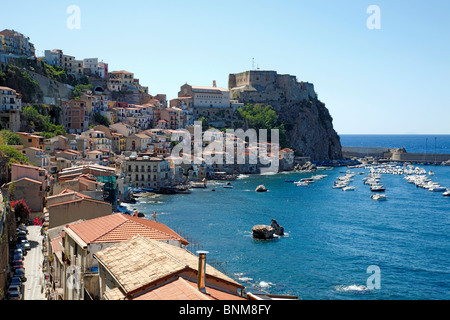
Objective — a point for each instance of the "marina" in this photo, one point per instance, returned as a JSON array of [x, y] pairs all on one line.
[[328, 243]]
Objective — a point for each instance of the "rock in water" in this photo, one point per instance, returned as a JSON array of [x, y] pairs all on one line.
[[262, 232], [261, 189], [279, 230]]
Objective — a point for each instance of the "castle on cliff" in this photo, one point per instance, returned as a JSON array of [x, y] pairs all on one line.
[[268, 87]]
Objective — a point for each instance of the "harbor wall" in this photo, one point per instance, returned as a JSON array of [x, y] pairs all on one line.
[[420, 157]]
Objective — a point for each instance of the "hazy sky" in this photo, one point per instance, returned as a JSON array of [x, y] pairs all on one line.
[[393, 80]]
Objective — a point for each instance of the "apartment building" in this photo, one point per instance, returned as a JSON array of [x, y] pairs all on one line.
[[147, 172]]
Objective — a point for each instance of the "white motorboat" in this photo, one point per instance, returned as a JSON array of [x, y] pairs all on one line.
[[379, 197], [437, 188], [377, 188], [446, 193], [348, 188]]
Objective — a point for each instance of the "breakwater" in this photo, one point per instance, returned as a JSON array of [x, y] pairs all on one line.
[[420, 157], [399, 155]]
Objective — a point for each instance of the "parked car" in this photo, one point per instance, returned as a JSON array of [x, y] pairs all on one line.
[[13, 288], [14, 295], [16, 281], [26, 244], [23, 228], [21, 237], [17, 266], [16, 257], [21, 274], [16, 261], [21, 246], [19, 252]]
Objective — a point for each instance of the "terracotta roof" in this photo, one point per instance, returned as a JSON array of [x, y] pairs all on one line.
[[27, 179], [78, 194], [182, 289], [137, 264], [78, 200], [120, 227]]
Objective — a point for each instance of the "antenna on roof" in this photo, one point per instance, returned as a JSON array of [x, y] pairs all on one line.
[[253, 63]]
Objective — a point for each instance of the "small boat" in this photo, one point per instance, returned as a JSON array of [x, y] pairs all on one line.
[[228, 187], [377, 188], [437, 189], [349, 188], [446, 193], [289, 181], [379, 197], [199, 185]]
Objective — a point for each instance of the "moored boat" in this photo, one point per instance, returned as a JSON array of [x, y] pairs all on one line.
[[379, 197], [377, 188]]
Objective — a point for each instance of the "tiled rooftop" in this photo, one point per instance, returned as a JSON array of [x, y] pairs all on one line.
[[120, 227], [182, 289], [140, 261]]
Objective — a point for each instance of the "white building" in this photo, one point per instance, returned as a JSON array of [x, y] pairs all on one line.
[[206, 97], [10, 99]]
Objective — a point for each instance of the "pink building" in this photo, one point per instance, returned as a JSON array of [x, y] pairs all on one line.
[[19, 171]]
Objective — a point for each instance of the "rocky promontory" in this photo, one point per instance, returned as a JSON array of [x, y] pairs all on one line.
[[308, 122]]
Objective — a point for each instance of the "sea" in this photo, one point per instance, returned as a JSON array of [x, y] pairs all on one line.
[[337, 245]]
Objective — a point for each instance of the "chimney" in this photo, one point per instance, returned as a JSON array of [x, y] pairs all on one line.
[[202, 271], [214, 84]]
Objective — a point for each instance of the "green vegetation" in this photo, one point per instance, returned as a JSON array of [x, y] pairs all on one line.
[[55, 73], [205, 123], [37, 120], [10, 138], [7, 139], [100, 119], [78, 91], [261, 116], [15, 76], [18, 79]]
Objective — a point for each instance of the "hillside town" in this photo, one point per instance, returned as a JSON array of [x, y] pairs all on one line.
[[114, 139]]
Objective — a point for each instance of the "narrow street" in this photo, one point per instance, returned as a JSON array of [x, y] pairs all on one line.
[[33, 266]]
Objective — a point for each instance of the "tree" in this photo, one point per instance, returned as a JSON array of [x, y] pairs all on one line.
[[205, 123], [21, 210], [10, 138], [261, 116], [100, 119], [79, 89]]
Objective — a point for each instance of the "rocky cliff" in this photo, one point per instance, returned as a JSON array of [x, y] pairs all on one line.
[[307, 120]]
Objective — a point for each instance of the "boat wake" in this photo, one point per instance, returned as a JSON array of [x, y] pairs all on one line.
[[352, 288]]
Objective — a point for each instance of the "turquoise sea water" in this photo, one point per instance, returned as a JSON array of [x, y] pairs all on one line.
[[332, 237]]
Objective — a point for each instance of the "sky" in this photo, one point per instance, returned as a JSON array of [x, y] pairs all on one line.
[[393, 79]]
